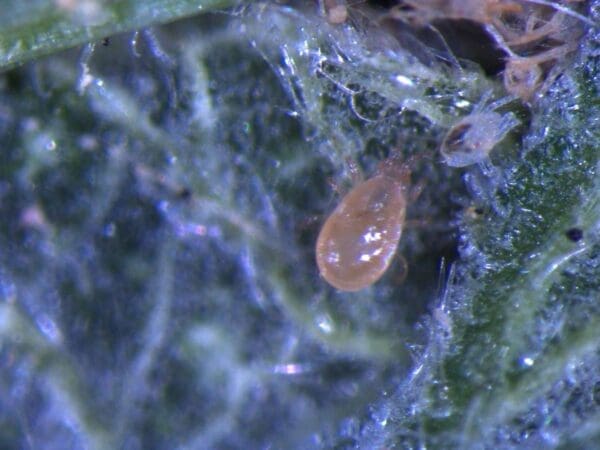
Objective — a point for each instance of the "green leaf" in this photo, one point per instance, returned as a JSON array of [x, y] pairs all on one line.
[[39, 27]]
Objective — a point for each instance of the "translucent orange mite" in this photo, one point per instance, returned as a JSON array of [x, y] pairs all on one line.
[[359, 239]]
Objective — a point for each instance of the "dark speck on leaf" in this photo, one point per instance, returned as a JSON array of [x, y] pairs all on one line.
[[574, 234]]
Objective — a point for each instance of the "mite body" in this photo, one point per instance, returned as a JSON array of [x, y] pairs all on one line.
[[473, 137], [359, 239]]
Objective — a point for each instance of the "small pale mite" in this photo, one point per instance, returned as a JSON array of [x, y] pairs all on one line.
[[473, 137], [359, 239]]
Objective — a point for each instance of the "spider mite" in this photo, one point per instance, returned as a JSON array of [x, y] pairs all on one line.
[[472, 138], [359, 239]]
